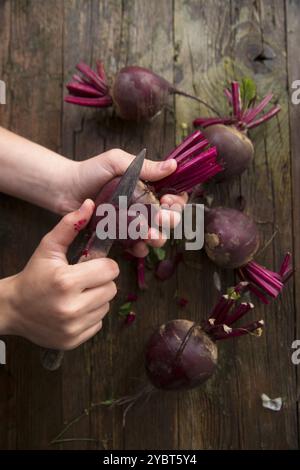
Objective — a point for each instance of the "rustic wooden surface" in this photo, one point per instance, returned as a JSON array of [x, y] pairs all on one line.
[[198, 45]]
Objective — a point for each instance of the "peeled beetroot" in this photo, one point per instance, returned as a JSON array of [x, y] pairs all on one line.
[[230, 134], [182, 354], [231, 241], [136, 92]]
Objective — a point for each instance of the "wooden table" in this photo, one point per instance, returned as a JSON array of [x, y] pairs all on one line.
[[198, 45]]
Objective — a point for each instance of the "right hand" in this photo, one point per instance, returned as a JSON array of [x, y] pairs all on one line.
[[57, 305]]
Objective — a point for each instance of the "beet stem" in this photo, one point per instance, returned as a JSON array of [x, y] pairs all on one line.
[[239, 312], [81, 89], [206, 122], [265, 117], [251, 113], [93, 77], [236, 100], [189, 152], [104, 102], [185, 144], [192, 97], [236, 332]]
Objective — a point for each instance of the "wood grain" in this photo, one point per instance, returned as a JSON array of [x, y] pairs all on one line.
[[31, 63], [199, 46]]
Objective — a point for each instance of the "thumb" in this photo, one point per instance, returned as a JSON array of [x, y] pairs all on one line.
[[155, 171], [63, 234]]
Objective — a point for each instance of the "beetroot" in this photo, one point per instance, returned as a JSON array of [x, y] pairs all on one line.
[[137, 93], [229, 134], [231, 241], [231, 237], [182, 354]]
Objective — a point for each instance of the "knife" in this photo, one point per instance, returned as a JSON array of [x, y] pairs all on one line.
[[51, 359]]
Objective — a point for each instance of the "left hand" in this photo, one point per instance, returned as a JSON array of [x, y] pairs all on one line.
[[87, 177]]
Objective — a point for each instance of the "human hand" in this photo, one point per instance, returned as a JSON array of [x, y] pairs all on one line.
[[86, 178], [57, 305]]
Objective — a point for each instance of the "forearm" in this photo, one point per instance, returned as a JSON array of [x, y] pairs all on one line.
[[7, 315], [32, 172]]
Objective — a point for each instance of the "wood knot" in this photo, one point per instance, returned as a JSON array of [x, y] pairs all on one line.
[[259, 57]]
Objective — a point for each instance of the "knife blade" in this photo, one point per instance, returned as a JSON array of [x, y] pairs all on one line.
[[97, 247]]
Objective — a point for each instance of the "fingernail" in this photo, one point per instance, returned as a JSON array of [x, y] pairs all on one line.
[[84, 205], [167, 165]]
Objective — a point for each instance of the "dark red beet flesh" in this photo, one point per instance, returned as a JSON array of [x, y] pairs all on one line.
[[231, 237], [235, 150], [180, 355]]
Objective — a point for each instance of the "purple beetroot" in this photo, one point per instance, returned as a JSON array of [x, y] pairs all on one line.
[[136, 92], [232, 240], [182, 354], [230, 134]]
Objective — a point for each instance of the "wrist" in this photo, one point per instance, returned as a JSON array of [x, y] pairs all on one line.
[[8, 315], [65, 201]]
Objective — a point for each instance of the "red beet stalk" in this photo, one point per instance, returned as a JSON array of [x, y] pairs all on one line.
[[196, 164], [241, 118]]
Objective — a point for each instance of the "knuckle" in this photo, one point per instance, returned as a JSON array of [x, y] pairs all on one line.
[[113, 289], [111, 267], [95, 330], [66, 311], [44, 241], [105, 309], [116, 152], [68, 219], [62, 281], [70, 331]]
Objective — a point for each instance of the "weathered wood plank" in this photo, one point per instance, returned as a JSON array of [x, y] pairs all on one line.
[[211, 47], [203, 44], [30, 58], [293, 38], [148, 41], [118, 34]]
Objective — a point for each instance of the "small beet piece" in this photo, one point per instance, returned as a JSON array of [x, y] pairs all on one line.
[[229, 134], [137, 93], [167, 267]]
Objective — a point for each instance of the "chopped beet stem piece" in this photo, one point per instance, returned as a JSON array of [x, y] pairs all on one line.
[[141, 273]]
